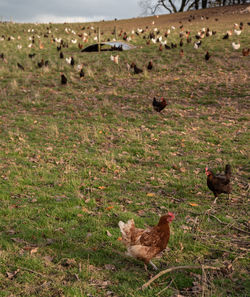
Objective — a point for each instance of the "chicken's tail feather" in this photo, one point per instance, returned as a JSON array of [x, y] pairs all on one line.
[[154, 102], [126, 228], [121, 225], [228, 170]]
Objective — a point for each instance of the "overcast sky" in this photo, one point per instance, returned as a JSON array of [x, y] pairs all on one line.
[[67, 11]]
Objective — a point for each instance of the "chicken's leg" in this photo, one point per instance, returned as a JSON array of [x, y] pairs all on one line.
[[153, 265], [216, 197]]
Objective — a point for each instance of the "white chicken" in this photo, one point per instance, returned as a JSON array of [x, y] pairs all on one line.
[[236, 46], [79, 67], [68, 60], [237, 32], [197, 44]]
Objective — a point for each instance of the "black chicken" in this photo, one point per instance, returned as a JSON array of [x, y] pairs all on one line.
[[20, 66], [32, 55], [207, 56], [226, 36], [150, 65], [136, 69], [82, 73], [159, 105], [40, 64], [72, 62], [219, 183], [63, 79]]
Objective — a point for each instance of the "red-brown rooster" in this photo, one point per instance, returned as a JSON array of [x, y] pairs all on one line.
[[159, 105], [245, 52], [146, 244], [219, 183]]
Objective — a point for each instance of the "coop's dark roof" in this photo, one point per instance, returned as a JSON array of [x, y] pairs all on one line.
[[114, 46]]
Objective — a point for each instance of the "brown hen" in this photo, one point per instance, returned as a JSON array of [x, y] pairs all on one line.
[[146, 244]]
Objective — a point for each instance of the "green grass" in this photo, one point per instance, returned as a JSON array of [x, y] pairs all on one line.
[[76, 159]]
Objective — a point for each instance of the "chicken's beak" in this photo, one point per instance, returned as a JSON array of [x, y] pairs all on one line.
[[172, 216]]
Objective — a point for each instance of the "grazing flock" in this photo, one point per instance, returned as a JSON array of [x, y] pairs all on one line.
[[141, 244], [151, 35]]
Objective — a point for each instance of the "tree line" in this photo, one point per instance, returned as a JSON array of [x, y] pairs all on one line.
[[150, 7]]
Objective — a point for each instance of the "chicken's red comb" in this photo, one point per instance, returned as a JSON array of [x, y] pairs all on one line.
[[171, 214], [206, 169]]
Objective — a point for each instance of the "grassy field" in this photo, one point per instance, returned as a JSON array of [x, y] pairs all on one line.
[[78, 158]]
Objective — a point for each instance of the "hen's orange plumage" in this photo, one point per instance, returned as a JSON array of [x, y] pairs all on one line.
[[146, 244]]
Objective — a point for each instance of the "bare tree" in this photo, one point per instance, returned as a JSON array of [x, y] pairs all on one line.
[[172, 6], [214, 3], [147, 7], [153, 6]]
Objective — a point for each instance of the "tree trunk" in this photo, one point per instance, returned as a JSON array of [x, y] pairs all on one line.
[[196, 4], [204, 4], [183, 4]]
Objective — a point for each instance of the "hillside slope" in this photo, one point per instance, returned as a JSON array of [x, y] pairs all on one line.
[[78, 158]]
